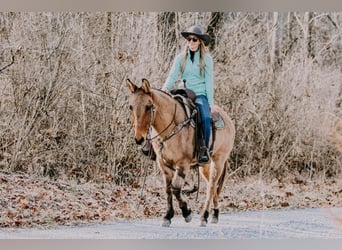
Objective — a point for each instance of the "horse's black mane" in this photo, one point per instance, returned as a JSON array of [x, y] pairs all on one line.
[[164, 92]]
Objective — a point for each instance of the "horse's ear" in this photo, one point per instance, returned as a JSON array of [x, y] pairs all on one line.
[[146, 86], [131, 86]]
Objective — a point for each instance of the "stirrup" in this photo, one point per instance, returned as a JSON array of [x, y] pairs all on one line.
[[204, 158]]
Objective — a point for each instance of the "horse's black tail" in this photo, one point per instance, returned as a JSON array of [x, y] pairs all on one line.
[[222, 178]]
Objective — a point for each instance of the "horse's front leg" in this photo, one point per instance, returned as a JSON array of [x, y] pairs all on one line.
[[177, 184], [170, 211]]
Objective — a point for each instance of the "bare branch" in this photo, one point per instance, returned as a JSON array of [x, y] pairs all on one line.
[[8, 65]]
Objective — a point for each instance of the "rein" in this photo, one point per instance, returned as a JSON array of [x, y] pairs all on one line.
[[176, 129], [152, 121], [153, 117]]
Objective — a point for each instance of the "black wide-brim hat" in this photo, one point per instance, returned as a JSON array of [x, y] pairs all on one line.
[[196, 30]]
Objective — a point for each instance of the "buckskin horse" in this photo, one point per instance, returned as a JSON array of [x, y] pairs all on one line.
[[173, 142]]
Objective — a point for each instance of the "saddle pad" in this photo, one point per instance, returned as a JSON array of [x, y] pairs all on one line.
[[217, 120]]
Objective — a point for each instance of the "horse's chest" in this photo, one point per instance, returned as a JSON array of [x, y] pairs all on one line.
[[173, 150]]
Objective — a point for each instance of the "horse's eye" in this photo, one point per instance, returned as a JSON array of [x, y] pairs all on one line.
[[130, 107]]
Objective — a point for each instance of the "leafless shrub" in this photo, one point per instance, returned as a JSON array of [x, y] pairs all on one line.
[[63, 100]]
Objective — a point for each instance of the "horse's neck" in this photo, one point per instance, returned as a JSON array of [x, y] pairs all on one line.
[[168, 111]]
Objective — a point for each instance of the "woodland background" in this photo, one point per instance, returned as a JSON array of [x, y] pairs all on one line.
[[63, 99]]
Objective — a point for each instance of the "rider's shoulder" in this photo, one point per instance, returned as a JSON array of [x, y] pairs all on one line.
[[208, 56]]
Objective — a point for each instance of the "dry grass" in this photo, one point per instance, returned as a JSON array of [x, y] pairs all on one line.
[[63, 100], [335, 134]]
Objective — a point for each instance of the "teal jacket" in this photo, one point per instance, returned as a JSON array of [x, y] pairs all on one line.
[[201, 85]]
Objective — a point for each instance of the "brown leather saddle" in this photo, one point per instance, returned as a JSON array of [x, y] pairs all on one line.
[[187, 98]]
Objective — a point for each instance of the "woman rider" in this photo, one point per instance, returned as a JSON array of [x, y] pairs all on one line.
[[195, 67]]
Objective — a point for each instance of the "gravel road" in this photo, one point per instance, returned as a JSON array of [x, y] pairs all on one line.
[[274, 224]]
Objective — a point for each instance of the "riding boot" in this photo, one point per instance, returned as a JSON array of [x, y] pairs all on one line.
[[204, 157]]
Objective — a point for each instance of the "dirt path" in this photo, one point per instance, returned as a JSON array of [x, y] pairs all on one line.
[[31, 202], [275, 224]]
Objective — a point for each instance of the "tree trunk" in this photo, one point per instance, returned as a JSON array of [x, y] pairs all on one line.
[[307, 49], [276, 39], [307, 30], [213, 27], [167, 29]]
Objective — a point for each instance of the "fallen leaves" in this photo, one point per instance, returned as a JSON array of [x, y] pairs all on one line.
[[288, 194], [3, 180], [253, 193], [29, 202], [284, 204]]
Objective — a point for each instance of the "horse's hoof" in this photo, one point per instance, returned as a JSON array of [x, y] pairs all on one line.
[[188, 218], [214, 220], [203, 223], [166, 223]]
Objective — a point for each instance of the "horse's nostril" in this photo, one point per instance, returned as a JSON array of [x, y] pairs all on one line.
[[140, 141]]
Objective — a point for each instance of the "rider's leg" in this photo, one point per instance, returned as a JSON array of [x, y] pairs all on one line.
[[203, 106]]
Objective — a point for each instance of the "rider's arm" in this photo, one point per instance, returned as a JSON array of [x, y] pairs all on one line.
[[174, 72]]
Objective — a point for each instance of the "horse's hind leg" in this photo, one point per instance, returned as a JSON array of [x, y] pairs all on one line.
[[205, 172], [217, 193], [177, 184], [213, 177]]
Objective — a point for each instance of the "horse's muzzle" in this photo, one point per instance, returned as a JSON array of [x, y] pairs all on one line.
[[140, 141]]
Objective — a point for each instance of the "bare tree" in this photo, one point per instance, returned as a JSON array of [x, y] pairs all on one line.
[[214, 26], [277, 31], [63, 99]]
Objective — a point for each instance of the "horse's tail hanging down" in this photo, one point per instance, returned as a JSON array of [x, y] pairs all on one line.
[[220, 181]]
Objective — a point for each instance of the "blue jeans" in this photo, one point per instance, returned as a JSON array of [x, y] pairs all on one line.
[[204, 109]]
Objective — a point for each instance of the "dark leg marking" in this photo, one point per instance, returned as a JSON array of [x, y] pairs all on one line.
[[170, 211], [182, 204], [215, 216], [204, 218]]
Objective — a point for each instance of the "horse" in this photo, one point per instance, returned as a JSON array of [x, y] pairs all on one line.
[[173, 141]]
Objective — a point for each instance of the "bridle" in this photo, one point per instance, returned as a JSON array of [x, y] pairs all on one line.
[[153, 117], [175, 130]]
